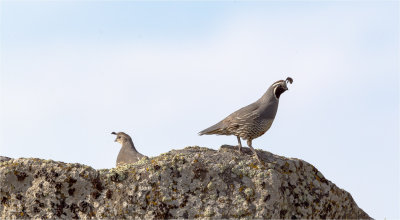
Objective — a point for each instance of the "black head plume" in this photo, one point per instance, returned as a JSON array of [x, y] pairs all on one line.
[[289, 80], [113, 133]]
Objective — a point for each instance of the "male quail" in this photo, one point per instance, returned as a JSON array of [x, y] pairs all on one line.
[[254, 120], [128, 153]]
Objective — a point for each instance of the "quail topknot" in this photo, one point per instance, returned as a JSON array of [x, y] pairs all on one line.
[[254, 120], [128, 153]]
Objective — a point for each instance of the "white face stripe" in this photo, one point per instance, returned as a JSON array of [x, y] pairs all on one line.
[[277, 83], [275, 93]]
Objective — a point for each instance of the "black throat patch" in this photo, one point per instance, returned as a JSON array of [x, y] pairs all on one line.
[[278, 91]]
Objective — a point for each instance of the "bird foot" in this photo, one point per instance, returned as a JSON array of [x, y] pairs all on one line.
[[240, 150], [259, 159]]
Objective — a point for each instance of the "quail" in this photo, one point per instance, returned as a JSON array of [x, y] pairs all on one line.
[[128, 153], [254, 120]]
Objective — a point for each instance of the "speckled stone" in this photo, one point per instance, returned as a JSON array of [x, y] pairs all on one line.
[[3, 159], [194, 182]]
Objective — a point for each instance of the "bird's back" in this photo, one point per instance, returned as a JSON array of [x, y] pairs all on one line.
[[225, 126], [248, 122]]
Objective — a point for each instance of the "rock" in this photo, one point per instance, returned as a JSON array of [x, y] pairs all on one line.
[[193, 182], [2, 159]]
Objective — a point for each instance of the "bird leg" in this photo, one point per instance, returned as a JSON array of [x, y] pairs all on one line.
[[254, 151], [240, 144]]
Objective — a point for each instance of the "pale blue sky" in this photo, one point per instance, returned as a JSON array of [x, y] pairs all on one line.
[[73, 72]]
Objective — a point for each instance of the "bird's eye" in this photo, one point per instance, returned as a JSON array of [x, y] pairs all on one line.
[[118, 137]]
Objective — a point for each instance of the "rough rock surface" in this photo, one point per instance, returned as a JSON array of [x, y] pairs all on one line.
[[191, 183], [2, 159]]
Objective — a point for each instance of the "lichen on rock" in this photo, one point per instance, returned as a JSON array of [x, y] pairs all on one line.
[[194, 182]]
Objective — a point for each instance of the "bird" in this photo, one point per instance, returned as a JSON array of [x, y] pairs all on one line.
[[252, 121], [128, 153]]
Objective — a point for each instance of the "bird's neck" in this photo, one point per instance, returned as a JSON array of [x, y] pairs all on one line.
[[268, 96], [128, 146]]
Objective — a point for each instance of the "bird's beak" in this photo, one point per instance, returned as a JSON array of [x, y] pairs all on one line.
[[285, 87], [115, 140]]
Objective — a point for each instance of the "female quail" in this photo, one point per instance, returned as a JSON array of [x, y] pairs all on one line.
[[128, 153]]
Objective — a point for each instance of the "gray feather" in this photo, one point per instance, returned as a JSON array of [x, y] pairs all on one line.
[[128, 153], [252, 120]]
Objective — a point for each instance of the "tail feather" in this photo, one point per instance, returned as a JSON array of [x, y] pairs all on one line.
[[212, 130]]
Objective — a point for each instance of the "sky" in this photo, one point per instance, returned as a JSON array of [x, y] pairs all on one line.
[[74, 71]]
